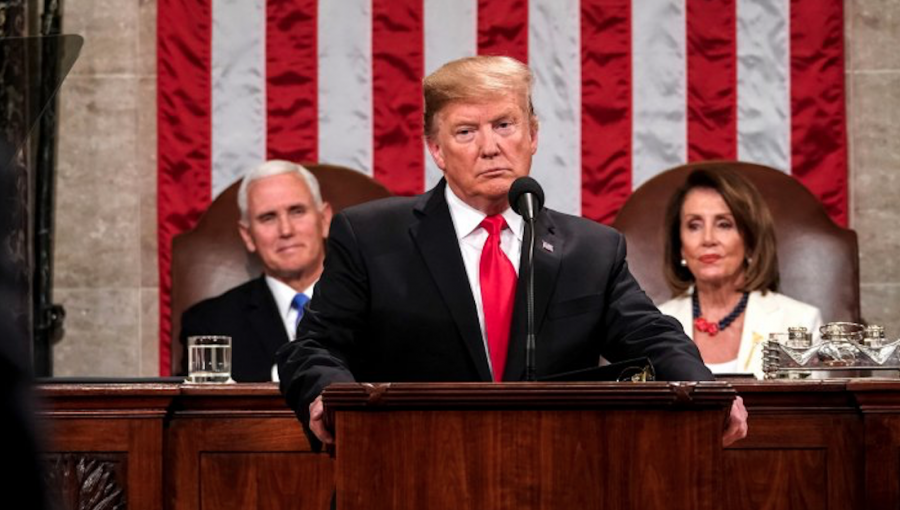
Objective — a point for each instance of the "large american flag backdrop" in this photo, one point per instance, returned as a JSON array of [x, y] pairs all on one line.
[[624, 90]]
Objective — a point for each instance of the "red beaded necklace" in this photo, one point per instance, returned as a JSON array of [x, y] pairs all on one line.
[[713, 328]]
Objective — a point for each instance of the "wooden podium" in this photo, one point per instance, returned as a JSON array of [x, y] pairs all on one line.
[[529, 445]]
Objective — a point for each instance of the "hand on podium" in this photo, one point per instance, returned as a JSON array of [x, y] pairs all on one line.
[[736, 428], [318, 427]]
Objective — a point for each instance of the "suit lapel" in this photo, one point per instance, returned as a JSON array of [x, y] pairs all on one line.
[[264, 318], [435, 237], [548, 249]]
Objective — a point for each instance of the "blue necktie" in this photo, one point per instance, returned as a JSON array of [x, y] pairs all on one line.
[[297, 303]]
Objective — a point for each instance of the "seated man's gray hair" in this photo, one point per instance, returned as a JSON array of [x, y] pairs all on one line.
[[276, 167]]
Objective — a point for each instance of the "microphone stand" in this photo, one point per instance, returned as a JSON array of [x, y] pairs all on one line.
[[530, 372], [528, 201]]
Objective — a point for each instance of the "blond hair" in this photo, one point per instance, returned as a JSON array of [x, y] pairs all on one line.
[[475, 79]]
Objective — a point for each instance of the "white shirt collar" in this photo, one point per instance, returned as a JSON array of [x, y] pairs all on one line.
[[284, 294], [284, 297], [466, 218]]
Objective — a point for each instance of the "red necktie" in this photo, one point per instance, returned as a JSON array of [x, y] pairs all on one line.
[[498, 289]]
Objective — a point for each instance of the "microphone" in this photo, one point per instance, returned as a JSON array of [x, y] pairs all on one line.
[[527, 198]]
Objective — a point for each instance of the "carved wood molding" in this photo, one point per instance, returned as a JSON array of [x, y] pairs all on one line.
[[530, 395], [86, 481]]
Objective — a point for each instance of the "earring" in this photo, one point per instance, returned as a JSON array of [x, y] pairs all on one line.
[[749, 260], [683, 263]]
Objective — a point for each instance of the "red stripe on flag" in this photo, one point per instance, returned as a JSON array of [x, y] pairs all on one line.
[[606, 88], [503, 28], [711, 79], [398, 64], [184, 133], [818, 117], [292, 120]]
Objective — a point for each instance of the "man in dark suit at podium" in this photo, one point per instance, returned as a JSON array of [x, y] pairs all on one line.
[[285, 222], [425, 288]]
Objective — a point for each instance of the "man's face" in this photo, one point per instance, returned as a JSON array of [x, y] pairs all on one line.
[[285, 227], [482, 148]]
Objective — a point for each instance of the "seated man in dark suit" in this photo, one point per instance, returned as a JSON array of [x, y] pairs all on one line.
[[425, 288], [285, 222]]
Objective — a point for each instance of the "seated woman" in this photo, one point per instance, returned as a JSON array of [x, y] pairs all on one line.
[[722, 266]]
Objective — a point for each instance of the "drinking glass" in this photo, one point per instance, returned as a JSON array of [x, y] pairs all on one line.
[[209, 359]]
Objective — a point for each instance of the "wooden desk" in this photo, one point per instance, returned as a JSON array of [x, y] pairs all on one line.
[[820, 445], [105, 444], [804, 448], [180, 447]]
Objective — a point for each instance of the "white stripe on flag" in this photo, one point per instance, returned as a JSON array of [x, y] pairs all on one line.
[[345, 83], [238, 89], [450, 32], [764, 108], [554, 53], [659, 69]]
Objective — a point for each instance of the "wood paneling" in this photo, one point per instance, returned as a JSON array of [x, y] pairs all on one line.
[[803, 450], [812, 444], [86, 481], [533, 446], [237, 444], [266, 481], [774, 479], [86, 420], [880, 402]]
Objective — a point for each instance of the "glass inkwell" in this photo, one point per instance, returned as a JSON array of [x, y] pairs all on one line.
[[846, 350]]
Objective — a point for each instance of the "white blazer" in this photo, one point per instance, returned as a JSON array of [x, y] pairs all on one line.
[[769, 313]]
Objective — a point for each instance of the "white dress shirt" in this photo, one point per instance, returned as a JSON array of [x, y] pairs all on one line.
[[471, 237], [284, 297]]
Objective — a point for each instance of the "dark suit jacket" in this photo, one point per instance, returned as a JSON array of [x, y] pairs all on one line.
[[394, 304], [249, 315]]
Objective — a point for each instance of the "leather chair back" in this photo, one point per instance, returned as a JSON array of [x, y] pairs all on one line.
[[818, 260], [211, 258]]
